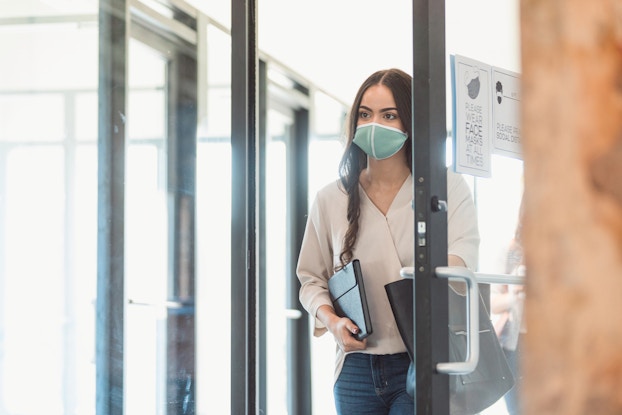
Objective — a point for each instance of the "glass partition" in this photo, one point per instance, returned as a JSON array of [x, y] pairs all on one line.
[[325, 151], [213, 290], [487, 31], [278, 138], [146, 231], [48, 209]]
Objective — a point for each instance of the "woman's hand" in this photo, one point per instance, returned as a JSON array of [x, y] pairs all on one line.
[[342, 329]]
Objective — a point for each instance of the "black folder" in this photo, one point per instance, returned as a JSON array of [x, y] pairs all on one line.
[[347, 291], [400, 295]]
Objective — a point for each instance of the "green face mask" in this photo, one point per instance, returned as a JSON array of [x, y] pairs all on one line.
[[379, 141]]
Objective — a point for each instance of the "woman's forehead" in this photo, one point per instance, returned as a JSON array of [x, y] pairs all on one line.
[[378, 96]]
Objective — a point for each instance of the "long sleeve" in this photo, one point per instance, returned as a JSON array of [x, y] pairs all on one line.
[[316, 259]]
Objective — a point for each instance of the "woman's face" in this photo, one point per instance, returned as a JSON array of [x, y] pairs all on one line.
[[378, 105]]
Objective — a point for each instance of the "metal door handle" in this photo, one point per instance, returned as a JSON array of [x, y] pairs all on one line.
[[472, 348], [472, 352]]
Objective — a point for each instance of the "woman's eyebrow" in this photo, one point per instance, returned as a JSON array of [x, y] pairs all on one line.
[[363, 107], [388, 109]]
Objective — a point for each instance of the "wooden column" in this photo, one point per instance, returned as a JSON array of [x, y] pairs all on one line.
[[572, 138]]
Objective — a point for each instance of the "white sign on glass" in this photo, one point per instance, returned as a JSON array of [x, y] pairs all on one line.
[[506, 113], [472, 116]]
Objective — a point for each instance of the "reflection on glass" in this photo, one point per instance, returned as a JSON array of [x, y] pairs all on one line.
[[497, 198], [498, 201], [278, 137], [17, 110], [325, 151], [213, 196], [48, 217], [34, 295], [146, 233]]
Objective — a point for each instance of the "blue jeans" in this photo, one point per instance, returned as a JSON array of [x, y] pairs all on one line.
[[373, 385]]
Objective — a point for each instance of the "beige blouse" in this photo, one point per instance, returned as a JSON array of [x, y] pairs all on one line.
[[384, 245]]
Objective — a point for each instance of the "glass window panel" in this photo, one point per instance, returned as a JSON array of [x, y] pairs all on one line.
[[147, 70], [48, 212], [325, 151], [213, 290], [213, 198], [497, 198], [32, 117], [324, 158], [86, 116], [279, 127], [219, 112], [219, 11], [216, 123], [49, 57], [497, 42], [145, 226], [83, 260], [34, 295], [329, 114], [498, 202], [147, 115], [47, 8], [146, 266], [146, 233], [219, 47], [145, 354]]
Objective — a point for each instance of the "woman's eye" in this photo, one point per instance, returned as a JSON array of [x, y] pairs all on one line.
[[390, 116], [363, 114]]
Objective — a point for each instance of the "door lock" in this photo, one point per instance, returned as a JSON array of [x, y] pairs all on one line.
[[438, 205]]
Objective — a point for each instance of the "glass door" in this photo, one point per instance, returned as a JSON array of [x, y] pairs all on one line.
[[159, 222], [284, 364], [146, 227], [486, 149], [280, 124], [48, 207], [479, 139]]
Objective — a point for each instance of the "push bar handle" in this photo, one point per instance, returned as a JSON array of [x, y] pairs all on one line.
[[472, 321]]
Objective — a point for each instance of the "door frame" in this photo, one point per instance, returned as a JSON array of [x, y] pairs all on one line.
[[429, 135]]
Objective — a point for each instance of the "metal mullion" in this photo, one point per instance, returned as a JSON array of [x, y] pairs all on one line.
[[429, 134], [298, 335], [181, 169], [112, 94], [262, 392], [243, 198]]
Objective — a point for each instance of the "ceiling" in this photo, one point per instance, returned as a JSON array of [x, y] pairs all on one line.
[[336, 44]]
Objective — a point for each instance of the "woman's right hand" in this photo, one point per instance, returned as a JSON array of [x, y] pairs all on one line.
[[342, 329]]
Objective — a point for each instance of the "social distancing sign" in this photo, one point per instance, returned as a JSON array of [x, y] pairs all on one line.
[[486, 120]]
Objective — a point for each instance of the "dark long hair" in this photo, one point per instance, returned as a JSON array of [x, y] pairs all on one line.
[[354, 160]]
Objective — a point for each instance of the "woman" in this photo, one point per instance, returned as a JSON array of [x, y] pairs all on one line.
[[367, 215]]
